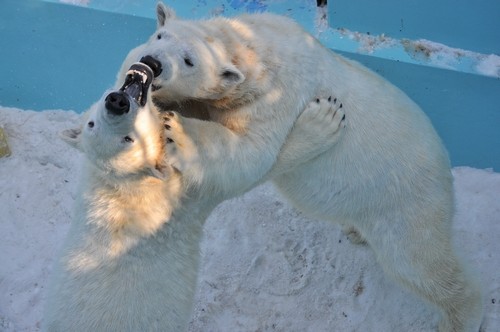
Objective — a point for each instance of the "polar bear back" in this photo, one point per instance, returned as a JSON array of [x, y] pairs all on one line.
[[389, 143]]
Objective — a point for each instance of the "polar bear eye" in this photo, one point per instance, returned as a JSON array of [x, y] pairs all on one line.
[[158, 36], [91, 124], [188, 62], [128, 139]]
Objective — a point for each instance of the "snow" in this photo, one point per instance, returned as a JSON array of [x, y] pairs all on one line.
[[76, 2], [265, 266], [489, 65], [422, 51]]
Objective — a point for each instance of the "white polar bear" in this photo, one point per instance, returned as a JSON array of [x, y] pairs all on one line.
[[122, 262], [387, 180], [131, 257]]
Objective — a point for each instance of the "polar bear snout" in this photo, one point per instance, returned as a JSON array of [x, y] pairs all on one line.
[[155, 66], [117, 103], [152, 63]]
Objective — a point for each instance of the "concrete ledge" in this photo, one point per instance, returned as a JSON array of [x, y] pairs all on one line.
[[466, 24]]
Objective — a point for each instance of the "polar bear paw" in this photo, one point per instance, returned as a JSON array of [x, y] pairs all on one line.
[[176, 141], [321, 123], [324, 115], [172, 124], [317, 129]]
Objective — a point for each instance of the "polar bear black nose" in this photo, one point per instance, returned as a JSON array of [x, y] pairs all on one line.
[[117, 103], [152, 63]]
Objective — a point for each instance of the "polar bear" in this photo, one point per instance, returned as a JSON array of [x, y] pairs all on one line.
[[122, 259], [131, 256], [387, 180]]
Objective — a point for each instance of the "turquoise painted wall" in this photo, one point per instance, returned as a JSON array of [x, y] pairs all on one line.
[[467, 24], [57, 56]]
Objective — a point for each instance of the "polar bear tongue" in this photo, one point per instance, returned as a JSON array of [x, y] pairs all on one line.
[[137, 82]]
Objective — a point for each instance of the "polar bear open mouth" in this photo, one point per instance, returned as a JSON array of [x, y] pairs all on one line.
[[137, 82]]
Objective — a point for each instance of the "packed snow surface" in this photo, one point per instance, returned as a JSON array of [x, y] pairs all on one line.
[[265, 266]]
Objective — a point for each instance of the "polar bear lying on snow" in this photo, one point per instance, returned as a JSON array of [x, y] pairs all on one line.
[[387, 180], [131, 257]]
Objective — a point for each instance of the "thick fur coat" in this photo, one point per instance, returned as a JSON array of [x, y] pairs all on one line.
[[131, 250], [131, 256], [387, 179]]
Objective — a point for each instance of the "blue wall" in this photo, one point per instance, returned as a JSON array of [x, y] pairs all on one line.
[[472, 25], [57, 56], [61, 56]]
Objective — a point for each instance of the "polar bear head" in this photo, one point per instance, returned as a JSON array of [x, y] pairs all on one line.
[[120, 138], [193, 64]]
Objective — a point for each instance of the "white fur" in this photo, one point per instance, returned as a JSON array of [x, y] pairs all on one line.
[[130, 260], [387, 178]]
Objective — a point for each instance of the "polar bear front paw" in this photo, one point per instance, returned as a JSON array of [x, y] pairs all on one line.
[[324, 116], [321, 122], [172, 124], [176, 141], [317, 129]]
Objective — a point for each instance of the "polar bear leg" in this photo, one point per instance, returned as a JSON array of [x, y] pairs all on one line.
[[192, 143], [425, 262]]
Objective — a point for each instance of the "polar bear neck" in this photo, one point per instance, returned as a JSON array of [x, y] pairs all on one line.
[[131, 209]]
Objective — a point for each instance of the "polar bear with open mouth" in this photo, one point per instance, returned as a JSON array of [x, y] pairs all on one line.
[[131, 257], [387, 179]]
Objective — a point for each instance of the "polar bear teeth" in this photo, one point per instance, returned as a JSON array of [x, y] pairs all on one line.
[[138, 81], [135, 74]]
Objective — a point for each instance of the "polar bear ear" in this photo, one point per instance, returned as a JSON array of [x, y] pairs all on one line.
[[231, 76], [72, 137], [163, 14]]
